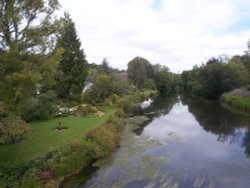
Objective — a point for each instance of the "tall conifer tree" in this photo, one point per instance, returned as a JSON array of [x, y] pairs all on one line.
[[73, 65]]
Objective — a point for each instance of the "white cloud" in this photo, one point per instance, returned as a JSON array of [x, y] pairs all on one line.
[[178, 33]]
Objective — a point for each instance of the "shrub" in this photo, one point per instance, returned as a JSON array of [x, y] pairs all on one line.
[[111, 119], [104, 139], [40, 108], [86, 98], [13, 129], [126, 105], [9, 175], [85, 109], [62, 112], [120, 113], [115, 98], [31, 179], [72, 163], [108, 102]]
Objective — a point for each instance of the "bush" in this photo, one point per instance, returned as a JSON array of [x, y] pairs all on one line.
[[62, 112], [13, 129], [105, 140], [9, 175], [40, 108], [111, 119], [120, 113], [86, 98], [85, 109], [115, 98], [73, 163], [126, 105], [31, 179]]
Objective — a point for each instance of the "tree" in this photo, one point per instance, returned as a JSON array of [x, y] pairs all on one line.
[[166, 82], [73, 65], [26, 25], [27, 57], [105, 86], [214, 78], [104, 67], [139, 70]]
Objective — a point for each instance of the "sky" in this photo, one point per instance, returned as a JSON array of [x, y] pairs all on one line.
[[176, 33]]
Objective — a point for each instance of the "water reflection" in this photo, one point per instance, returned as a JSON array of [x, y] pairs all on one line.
[[160, 106], [230, 127], [187, 143], [246, 142], [204, 138]]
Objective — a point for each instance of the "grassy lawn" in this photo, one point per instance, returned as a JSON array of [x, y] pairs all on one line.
[[45, 139]]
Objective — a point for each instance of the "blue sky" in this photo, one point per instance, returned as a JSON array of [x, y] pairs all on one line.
[[175, 33]]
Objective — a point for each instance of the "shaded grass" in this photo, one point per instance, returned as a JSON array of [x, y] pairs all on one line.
[[242, 103], [44, 139]]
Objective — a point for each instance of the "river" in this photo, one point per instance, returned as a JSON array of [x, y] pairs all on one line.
[[187, 143]]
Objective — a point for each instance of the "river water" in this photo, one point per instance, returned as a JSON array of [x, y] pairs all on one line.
[[186, 143]]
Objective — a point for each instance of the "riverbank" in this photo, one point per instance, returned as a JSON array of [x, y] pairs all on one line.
[[238, 99], [58, 165]]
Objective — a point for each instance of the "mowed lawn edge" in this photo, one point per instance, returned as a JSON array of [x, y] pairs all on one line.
[[44, 139]]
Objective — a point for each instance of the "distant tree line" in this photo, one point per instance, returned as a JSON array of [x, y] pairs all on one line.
[[217, 76]]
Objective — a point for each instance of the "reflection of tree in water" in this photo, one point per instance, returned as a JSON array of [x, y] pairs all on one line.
[[230, 127], [246, 142], [160, 106]]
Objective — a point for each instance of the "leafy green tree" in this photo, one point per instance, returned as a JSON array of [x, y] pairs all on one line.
[[21, 77], [139, 70], [244, 60], [214, 78], [73, 65], [27, 55], [27, 26], [166, 82], [105, 86]]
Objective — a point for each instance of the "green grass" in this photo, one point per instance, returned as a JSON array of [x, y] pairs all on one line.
[[242, 103], [44, 139]]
